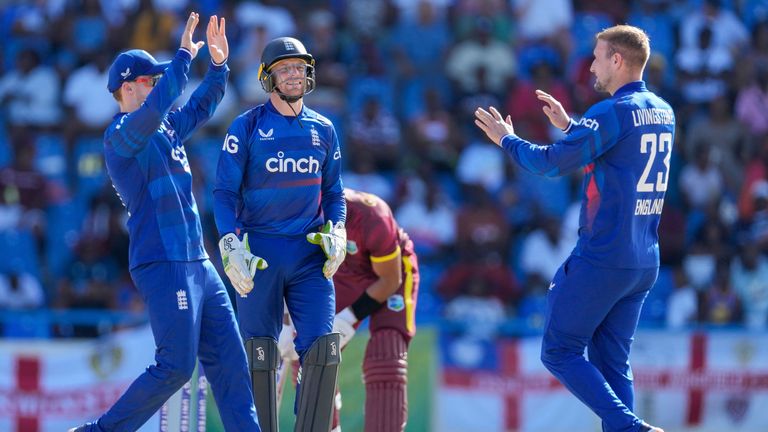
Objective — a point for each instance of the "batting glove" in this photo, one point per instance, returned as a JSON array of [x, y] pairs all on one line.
[[333, 240], [344, 324], [240, 264], [285, 343]]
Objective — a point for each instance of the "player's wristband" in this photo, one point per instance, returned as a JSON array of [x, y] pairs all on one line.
[[365, 305], [571, 124]]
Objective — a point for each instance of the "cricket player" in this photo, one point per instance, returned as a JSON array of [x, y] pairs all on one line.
[[624, 144], [378, 279], [189, 309], [277, 183]]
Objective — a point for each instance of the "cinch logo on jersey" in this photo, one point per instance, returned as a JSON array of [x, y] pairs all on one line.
[[283, 164], [590, 123]]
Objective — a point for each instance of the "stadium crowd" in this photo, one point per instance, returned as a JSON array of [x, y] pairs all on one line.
[[400, 79]]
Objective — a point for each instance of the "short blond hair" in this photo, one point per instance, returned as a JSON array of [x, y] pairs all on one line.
[[631, 42]]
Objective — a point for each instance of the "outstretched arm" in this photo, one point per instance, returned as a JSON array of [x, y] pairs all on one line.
[[204, 101]]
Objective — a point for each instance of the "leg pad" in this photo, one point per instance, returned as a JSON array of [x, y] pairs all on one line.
[[317, 385], [263, 359]]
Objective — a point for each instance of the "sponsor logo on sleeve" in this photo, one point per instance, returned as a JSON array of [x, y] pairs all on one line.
[[590, 123], [396, 303]]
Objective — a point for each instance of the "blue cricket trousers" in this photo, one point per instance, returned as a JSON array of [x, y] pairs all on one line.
[[191, 316], [295, 272], [598, 309]]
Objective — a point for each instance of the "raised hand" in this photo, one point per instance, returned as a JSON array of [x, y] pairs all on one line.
[[217, 40], [494, 126], [554, 110], [186, 37]]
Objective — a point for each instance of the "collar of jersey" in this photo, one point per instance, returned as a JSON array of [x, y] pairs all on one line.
[[634, 86], [274, 110]]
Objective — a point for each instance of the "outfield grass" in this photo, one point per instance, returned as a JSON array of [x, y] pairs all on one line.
[[421, 368]]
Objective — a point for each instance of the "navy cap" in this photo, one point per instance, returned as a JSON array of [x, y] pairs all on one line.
[[132, 64]]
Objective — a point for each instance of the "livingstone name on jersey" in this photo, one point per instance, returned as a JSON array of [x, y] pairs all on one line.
[[652, 116], [649, 206], [283, 164]]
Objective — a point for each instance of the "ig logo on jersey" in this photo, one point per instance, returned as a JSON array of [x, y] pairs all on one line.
[[230, 144]]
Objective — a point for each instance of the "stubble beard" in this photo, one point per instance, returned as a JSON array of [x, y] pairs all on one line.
[[600, 86]]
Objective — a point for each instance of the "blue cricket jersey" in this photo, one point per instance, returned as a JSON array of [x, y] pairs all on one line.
[[147, 162], [277, 178], [624, 144]]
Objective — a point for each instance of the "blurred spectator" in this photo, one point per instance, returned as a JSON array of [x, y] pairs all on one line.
[[683, 303], [654, 17], [274, 17], [543, 251], [497, 13], [377, 132], [467, 102], [758, 50], [88, 30], [720, 304], [755, 173], [29, 94], [26, 192], [429, 219], [481, 165], [701, 182], [414, 63], [87, 285], [368, 18], [480, 313], [481, 228], [657, 79], [479, 277], [749, 278], [90, 107], [758, 225], [330, 49], [409, 10], [710, 246], [19, 291], [433, 135], [545, 21], [728, 139], [362, 175], [672, 235], [728, 33], [703, 67], [481, 51], [153, 29], [752, 101], [525, 108]]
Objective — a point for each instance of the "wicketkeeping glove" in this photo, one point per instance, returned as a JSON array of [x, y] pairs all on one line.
[[344, 324], [240, 264], [333, 240]]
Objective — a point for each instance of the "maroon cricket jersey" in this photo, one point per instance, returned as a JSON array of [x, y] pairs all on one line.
[[372, 235]]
